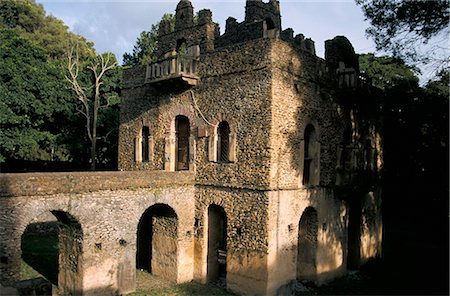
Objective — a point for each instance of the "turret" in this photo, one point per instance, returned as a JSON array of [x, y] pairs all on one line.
[[184, 15]]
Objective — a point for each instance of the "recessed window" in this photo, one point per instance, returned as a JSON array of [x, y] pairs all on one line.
[[145, 144], [223, 142], [310, 154], [182, 135]]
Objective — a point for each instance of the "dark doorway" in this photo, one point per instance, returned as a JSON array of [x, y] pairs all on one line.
[[217, 245], [307, 245], [182, 146], [157, 242]]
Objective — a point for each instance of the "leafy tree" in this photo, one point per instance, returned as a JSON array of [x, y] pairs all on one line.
[[146, 45], [28, 19], [32, 98], [415, 173], [387, 72], [400, 26]]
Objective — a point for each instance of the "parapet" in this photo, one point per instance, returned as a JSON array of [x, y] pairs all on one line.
[[188, 31], [262, 20]]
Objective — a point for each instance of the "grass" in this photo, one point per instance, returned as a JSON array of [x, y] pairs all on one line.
[[150, 285], [40, 257]]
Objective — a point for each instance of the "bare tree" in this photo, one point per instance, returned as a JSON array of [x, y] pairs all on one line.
[[89, 96]]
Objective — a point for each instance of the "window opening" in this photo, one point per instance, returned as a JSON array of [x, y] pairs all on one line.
[[308, 163], [145, 144], [182, 136], [224, 141]]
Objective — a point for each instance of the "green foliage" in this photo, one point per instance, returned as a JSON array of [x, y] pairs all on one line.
[[32, 97], [387, 72], [146, 45], [40, 256], [400, 26], [40, 120], [28, 19]]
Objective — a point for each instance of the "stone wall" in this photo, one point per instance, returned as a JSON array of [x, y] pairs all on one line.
[[108, 219], [286, 208], [234, 87], [246, 212]]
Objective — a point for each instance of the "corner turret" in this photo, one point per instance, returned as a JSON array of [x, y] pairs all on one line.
[[184, 15]]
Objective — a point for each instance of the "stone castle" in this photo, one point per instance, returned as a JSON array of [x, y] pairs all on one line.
[[244, 160]]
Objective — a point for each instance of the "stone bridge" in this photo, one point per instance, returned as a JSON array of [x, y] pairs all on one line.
[[102, 216]]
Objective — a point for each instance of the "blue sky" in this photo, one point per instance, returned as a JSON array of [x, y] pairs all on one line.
[[114, 25]]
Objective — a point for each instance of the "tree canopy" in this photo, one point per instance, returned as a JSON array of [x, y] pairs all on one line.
[[32, 99], [401, 26], [146, 44], [28, 19], [40, 114]]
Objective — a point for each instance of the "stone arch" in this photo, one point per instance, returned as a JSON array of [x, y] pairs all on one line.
[[217, 244], [170, 161], [214, 143], [157, 242], [55, 249], [307, 245]]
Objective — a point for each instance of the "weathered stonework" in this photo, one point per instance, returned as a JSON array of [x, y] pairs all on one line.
[[245, 159]]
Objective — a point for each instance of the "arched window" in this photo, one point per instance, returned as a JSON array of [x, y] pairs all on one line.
[[310, 161], [269, 28], [145, 144], [223, 143], [269, 24], [182, 129]]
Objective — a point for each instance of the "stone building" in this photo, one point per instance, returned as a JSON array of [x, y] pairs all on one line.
[[284, 146], [244, 159]]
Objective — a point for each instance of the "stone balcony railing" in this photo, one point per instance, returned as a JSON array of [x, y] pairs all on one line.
[[174, 69]]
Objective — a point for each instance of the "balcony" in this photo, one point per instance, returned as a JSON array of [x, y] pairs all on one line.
[[175, 70]]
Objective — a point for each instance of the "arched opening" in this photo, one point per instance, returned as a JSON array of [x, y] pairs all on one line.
[[217, 245], [145, 150], [223, 142], [269, 28], [269, 24], [181, 46], [157, 242], [52, 248], [307, 245], [310, 153], [182, 128]]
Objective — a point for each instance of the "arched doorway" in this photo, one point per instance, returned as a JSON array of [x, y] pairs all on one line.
[[52, 248], [307, 245], [182, 128], [217, 245], [157, 242]]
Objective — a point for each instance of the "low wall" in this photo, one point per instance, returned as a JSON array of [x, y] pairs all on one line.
[[27, 184]]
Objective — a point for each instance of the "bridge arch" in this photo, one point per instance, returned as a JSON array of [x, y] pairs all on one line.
[[52, 245]]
